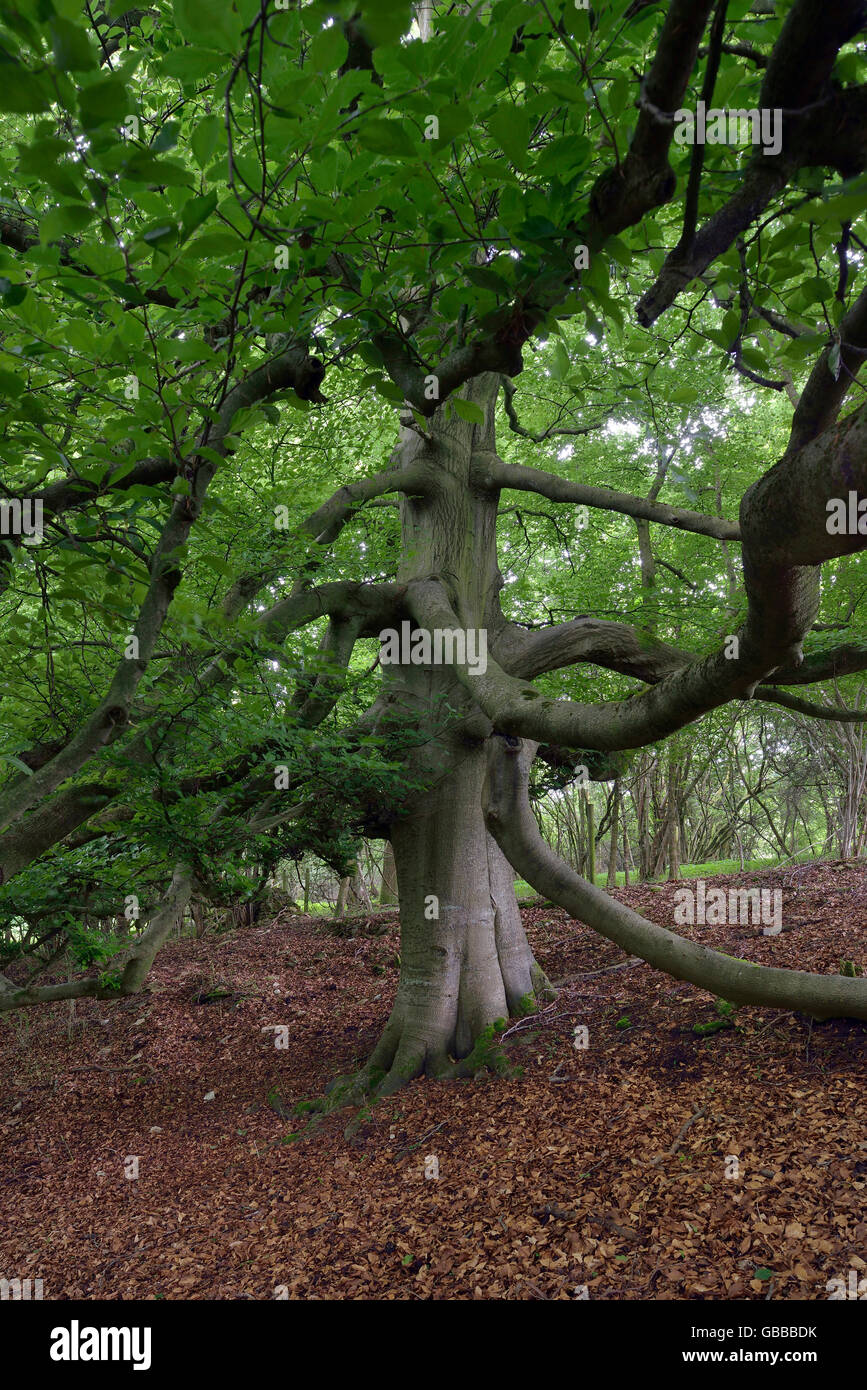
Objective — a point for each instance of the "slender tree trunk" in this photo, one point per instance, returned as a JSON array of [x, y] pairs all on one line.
[[342, 896], [388, 891], [673, 850], [611, 880], [358, 887], [591, 838]]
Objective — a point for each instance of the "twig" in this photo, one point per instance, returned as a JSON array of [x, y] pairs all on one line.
[[137, 1070], [612, 1225], [409, 1148], [606, 970], [699, 1114]]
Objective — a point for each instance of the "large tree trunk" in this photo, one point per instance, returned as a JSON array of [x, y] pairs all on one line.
[[465, 959]]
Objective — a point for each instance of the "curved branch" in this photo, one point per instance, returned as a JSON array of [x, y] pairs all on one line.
[[138, 962], [839, 716], [539, 437], [510, 820], [491, 471], [614, 646], [829, 381]]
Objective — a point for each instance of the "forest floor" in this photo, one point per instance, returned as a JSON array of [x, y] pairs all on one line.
[[656, 1163]]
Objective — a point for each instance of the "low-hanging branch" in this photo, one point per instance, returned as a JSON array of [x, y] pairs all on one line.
[[136, 960], [510, 820]]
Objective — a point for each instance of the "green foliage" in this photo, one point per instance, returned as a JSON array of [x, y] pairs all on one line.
[[159, 249], [726, 1019], [90, 947]]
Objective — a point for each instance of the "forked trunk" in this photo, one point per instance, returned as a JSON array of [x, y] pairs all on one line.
[[465, 958], [465, 961]]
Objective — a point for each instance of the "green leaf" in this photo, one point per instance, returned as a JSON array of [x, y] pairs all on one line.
[[161, 232], [385, 21], [190, 64], [11, 386], [510, 127], [21, 91], [387, 137], [167, 138], [16, 762], [197, 211], [203, 140], [468, 410], [143, 168], [12, 293], [328, 50], [72, 50], [105, 103], [560, 366], [216, 244], [60, 222], [213, 26]]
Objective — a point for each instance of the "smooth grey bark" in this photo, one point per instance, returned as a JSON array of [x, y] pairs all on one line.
[[465, 960], [512, 823]]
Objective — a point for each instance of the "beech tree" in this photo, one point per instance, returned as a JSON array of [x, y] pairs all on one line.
[[251, 247]]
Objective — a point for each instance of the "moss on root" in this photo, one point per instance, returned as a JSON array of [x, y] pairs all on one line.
[[526, 1006], [487, 1054], [543, 990]]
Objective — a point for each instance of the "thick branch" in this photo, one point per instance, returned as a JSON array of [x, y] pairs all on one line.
[[138, 963], [511, 822], [785, 537], [493, 472]]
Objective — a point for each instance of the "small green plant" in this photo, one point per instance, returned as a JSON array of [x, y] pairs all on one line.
[[87, 945], [110, 979], [726, 1019], [624, 1022], [850, 969]]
